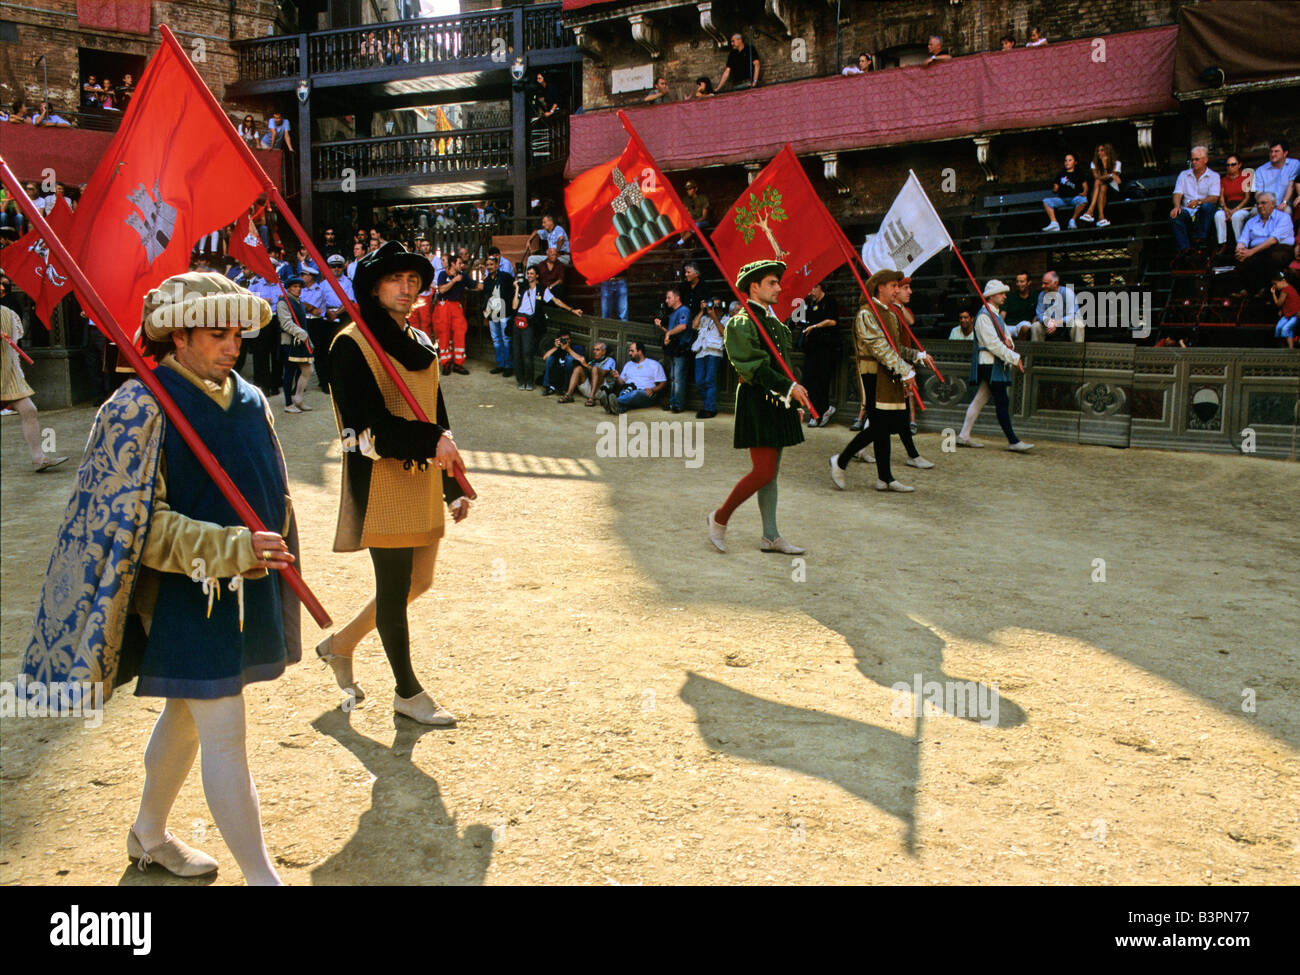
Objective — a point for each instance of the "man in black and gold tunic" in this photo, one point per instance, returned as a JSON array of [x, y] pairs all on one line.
[[766, 420]]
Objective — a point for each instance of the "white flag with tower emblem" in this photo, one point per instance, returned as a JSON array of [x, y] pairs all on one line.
[[910, 235]]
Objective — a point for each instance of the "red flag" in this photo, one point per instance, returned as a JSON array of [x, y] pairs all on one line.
[[27, 262], [246, 247], [780, 216], [168, 177], [619, 211]]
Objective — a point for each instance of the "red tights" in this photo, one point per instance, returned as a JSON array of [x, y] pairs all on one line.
[[764, 460]]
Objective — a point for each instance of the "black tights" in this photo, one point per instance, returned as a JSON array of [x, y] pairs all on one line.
[[867, 435], [884, 423], [392, 588]]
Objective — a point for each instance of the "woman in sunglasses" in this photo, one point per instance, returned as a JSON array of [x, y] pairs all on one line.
[[1234, 200], [248, 132]]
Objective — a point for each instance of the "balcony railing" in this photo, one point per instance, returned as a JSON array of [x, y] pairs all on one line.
[[436, 154], [431, 41]]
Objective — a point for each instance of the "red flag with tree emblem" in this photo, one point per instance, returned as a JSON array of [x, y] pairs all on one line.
[[168, 177], [27, 262], [619, 211], [781, 217]]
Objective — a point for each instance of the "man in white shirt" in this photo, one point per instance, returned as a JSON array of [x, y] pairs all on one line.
[[550, 234], [1056, 308], [1265, 245], [1196, 196], [964, 328], [639, 383]]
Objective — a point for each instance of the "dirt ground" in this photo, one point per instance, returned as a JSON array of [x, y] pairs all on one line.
[[637, 708]]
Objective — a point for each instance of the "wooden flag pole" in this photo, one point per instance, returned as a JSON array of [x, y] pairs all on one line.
[[713, 256], [14, 345], [228, 129], [105, 322]]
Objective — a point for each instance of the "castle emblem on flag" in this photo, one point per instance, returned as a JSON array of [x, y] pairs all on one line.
[[637, 220], [901, 242], [158, 223]]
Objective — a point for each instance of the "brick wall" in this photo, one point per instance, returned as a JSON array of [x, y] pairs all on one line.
[[56, 33]]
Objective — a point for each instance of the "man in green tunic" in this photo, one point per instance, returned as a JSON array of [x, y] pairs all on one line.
[[766, 419]]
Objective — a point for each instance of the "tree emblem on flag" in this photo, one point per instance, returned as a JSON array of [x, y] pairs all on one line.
[[901, 242], [637, 220], [158, 223], [759, 214]]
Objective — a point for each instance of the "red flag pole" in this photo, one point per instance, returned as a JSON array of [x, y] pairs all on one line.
[[105, 322], [226, 128], [14, 345], [717, 261]]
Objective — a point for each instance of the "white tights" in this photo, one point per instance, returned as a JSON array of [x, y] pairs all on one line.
[[977, 402], [218, 726]]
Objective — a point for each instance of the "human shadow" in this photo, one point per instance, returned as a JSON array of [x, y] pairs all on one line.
[[406, 837]]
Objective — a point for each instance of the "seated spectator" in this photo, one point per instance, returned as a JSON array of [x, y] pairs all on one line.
[[1008, 42], [551, 273], [660, 91], [1288, 307], [861, 66], [1105, 180], [248, 132], [936, 52], [1020, 310], [588, 376], [1196, 197], [1234, 201], [1036, 38], [638, 385], [697, 205], [1278, 176], [1056, 308], [964, 330], [1265, 245], [550, 235], [743, 66], [1070, 189], [19, 114], [703, 88], [47, 116], [558, 364]]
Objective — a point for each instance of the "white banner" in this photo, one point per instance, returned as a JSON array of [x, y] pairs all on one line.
[[910, 235]]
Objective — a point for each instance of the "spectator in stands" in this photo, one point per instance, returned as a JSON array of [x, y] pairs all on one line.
[[697, 205], [498, 299], [1265, 245], [588, 376], [659, 93], [551, 273], [1294, 266], [823, 344], [703, 88], [640, 382], [277, 133], [861, 66], [935, 51], [358, 252], [372, 52], [679, 336], [1234, 201], [48, 116], [964, 327], [1021, 309], [743, 66], [1036, 38], [90, 94], [708, 348], [108, 100], [397, 50], [558, 365], [1278, 176], [1070, 189], [1008, 43], [1196, 197], [1288, 307], [507, 266], [330, 243], [1105, 181], [248, 132], [1056, 308], [549, 235], [124, 91], [546, 100]]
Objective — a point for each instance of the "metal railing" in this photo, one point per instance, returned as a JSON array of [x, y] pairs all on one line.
[[440, 40], [441, 154]]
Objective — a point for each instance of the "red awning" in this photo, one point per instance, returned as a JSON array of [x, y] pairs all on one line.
[[1029, 88]]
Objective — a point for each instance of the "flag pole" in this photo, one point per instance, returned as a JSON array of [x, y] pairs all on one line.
[[105, 322], [717, 261], [273, 193], [14, 345]]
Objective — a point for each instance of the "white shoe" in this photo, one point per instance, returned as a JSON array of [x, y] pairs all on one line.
[[1052, 226], [1020, 447], [172, 855], [894, 486], [1103, 223], [864, 457], [293, 408], [826, 417], [779, 544], [837, 475], [920, 462], [1087, 218], [424, 709], [1072, 224], [342, 667], [717, 533], [967, 442]]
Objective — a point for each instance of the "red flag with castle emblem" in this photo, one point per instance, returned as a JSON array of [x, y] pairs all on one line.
[[27, 262], [619, 211], [781, 217], [246, 247], [168, 177]]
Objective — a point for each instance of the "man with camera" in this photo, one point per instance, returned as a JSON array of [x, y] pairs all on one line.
[[637, 386], [588, 375], [558, 365]]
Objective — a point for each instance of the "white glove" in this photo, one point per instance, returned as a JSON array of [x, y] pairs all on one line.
[[923, 358], [911, 374]]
